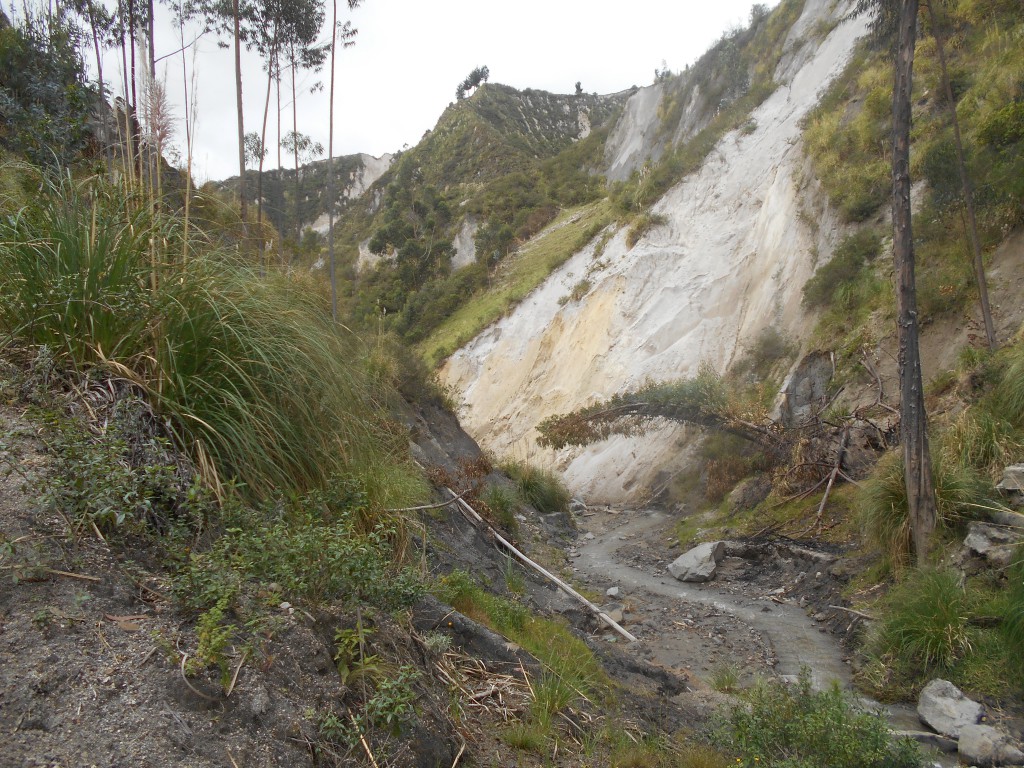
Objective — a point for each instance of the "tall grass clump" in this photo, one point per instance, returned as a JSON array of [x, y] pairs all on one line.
[[249, 373], [540, 488], [926, 621], [1013, 618], [883, 504]]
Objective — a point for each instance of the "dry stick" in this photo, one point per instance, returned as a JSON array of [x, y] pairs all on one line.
[[862, 615], [71, 575], [196, 691], [429, 506], [461, 750], [540, 569], [234, 677], [362, 740], [831, 480]]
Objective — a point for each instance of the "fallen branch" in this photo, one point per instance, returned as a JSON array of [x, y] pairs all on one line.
[[859, 614], [196, 691], [362, 740], [430, 506], [540, 569], [816, 525]]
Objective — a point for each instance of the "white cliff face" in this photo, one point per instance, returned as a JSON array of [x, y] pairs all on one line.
[[730, 260], [360, 180]]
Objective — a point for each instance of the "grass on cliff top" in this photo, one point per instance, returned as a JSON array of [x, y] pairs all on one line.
[[517, 277]]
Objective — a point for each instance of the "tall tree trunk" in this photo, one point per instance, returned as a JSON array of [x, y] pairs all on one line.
[[188, 143], [280, 168], [243, 205], [99, 75], [330, 169], [263, 152], [965, 183], [913, 421], [295, 145], [152, 38]]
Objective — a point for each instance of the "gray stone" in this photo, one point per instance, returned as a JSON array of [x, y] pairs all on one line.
[[1013, 479], [985, 746], [944, 708], [700, 563], [995, 545], [612, 592]]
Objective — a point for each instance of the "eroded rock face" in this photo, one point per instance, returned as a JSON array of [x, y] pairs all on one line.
[[944, 708], [991, 544], [700, 563], [729, 260]]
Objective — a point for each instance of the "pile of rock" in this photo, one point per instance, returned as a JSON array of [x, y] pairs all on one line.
[[964, 726]]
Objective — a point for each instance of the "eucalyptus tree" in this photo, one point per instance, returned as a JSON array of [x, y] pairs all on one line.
[[346, 33], [238, 20], [897, 20], [308, 56], [292, 26]]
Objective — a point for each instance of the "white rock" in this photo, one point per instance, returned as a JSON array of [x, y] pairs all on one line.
[[944, 708], [612, 592], [984, 746], [700, 563]]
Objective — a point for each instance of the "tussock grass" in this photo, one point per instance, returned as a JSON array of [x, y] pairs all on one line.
[[249, 373], [926, 622], [883, 504], [540, 488]]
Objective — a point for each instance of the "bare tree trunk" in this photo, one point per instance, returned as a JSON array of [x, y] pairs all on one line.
[[913, 420], [330, 169], [295, 137], [99, 74], [263, 152], [188, 144], [965, 182], [242, 203]]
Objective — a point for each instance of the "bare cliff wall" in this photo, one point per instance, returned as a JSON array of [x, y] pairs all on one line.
[[730, 260]]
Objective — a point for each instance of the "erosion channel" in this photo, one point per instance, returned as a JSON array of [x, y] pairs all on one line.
[[762, 614]]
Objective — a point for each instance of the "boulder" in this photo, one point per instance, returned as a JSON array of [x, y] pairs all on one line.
[[944, 708], [984, 746], [1012, 479], [993, 544], [700, 563]]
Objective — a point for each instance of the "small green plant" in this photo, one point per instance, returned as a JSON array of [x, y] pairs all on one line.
[[581, 289], [725, 678], [214, 635], [503, 503], [794, 726], [538, 487], [350, 654]]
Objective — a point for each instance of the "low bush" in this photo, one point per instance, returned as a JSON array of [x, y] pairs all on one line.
[[793, 726], [849, 258]]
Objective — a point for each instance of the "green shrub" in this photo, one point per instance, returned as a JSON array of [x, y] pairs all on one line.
[[926, 621], [844, 267], [316, 547], [503, 503], [795, 727]]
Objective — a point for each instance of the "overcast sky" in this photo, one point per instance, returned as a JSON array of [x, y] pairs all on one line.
[[410, 55]]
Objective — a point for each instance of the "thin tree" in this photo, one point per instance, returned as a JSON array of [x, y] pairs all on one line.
[[965, 180], [913, 419], [347, 35]]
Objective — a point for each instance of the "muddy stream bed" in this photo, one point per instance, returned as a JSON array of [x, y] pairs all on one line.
[[762, 614]]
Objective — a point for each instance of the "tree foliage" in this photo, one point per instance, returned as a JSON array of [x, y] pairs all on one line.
[[474, 79], [44, 100]]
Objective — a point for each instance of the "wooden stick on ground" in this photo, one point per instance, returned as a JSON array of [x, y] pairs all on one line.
[[472, 513]]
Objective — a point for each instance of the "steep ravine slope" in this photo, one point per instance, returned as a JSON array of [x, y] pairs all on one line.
[[730, 259]]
